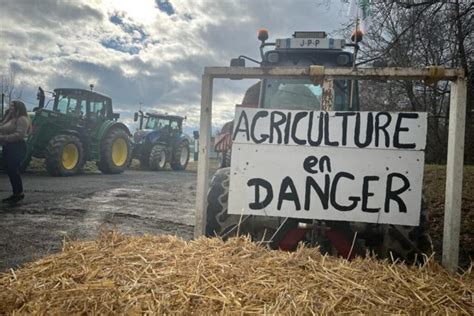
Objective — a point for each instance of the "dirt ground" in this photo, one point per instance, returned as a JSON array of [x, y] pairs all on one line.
[[139, 202], [135, 202]]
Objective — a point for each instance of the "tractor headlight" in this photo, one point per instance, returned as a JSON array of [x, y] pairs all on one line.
[[342, 59], [273, 57]]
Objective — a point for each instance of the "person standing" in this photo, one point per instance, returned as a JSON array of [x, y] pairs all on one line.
[[14, 128]]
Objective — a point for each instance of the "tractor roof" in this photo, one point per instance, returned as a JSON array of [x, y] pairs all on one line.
[[82, 91], [165, 116]]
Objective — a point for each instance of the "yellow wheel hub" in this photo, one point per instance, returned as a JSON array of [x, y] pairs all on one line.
[[70, 156], [119, 152]]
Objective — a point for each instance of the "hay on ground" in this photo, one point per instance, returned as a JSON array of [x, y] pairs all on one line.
[[164, 274]]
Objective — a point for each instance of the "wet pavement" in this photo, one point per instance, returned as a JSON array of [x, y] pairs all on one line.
[[55, 209]]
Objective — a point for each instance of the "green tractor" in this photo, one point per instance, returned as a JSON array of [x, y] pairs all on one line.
[[160, 140], [80, 127]]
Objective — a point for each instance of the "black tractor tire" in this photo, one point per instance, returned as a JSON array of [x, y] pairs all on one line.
[[115, 152], [144, 157], [224, 159], [411, 244], [64, 155], [158, 158], [180, 156], [220, 223]]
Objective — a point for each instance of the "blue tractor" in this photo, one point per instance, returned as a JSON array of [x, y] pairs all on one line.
[[160, 140]]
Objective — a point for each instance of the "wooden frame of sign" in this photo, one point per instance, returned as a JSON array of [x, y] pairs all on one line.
[[457, 115]]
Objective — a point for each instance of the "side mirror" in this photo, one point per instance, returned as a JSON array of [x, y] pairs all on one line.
[[135, 116], [237, 62]]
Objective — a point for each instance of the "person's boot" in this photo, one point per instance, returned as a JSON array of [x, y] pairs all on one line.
[[15, 198]]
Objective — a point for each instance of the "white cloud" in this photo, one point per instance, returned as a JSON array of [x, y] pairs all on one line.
[[134, 52]]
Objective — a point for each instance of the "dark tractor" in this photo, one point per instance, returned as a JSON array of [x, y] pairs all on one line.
[[80, 127], [344, 238], [160, 140]]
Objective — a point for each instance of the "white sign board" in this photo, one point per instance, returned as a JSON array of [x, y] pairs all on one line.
[[348, 166]]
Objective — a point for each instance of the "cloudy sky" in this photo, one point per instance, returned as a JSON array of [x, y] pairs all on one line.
[[148, 51]]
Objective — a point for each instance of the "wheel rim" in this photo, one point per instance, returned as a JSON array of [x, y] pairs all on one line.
[[70, 156], [162, 159], [184, 156], [119, 152]]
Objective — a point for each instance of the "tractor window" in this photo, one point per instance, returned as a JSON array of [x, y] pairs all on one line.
[[342, 95], [302, 94], [97, 108], [292, 94], [161, 123], [82, 108], [174, 125], [156, 123], [151, 123], [66, 104]]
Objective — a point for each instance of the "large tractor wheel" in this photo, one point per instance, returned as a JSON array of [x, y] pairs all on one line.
[[64, 156], [180, 156], [145, 158], [220, 223], [158, 158], [115, 152]]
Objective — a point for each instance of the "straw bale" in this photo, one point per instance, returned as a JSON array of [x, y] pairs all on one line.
[[164, 274]]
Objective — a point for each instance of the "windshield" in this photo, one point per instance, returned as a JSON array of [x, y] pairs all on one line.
[[291, 94], [156, 122], [70, 104], [302, 94]]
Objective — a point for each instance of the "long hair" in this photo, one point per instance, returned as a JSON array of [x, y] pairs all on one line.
[[19, 109]]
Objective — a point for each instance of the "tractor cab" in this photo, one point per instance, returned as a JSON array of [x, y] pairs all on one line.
[[87, 105], [159, 140], [157, 127], [302, 49]]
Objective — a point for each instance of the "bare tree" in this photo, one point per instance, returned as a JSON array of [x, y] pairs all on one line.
[[411, 33], [9, 85]]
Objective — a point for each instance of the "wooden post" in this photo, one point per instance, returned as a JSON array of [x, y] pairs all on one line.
[[203, 162], [454, 171]]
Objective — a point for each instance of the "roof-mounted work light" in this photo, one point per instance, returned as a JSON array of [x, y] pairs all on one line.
[[357, 36], [262, 35]]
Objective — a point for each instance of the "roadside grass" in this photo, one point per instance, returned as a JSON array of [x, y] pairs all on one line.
[[434, 189]]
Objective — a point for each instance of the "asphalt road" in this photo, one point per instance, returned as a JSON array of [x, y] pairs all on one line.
[[55, 209]]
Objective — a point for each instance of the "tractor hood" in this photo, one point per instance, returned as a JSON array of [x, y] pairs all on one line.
[[145, 136]]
